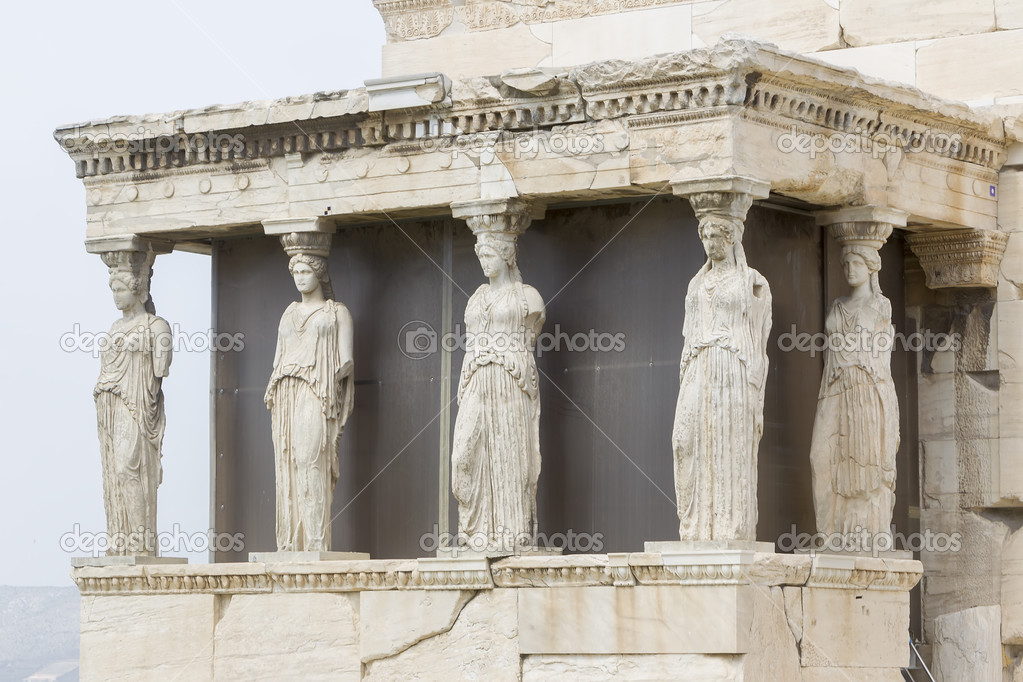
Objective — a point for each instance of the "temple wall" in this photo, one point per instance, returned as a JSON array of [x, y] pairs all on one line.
[[612, 482], [960, 50]]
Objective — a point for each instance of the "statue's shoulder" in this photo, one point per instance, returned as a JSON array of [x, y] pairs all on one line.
[[341, 311], [533, 297], [157, 324], [756, 278]]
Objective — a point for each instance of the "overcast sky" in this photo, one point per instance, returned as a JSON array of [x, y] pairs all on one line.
[[73, 62]]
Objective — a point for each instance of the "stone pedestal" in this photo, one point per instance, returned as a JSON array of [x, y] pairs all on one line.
[[125, 560], [496, 552], [300, 557], [733, 614]]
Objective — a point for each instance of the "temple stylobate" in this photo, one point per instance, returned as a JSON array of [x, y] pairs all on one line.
[[730, 193]]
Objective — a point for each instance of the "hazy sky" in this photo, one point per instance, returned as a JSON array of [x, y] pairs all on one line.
[[74, 62]]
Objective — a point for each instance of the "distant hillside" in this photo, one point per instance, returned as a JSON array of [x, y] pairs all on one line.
[[38, 626]]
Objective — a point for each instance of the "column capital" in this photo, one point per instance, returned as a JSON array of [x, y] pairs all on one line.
[[512, 215], [730, 195], [893, 217], [128, 242], [959, 258], [129, 253]]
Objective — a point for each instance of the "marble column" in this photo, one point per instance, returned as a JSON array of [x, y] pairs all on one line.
[[720, 410], [495, 454], [135, 357], [856, 426]]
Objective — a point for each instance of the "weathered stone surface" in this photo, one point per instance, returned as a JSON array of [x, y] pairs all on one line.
[[972, 67], [966, 646], [780, 569], [797, 25], [622, 36], [1012, 589], [638, 620], [391, 622], [855, 629], [481, 645], [470, 54], [773, 651], [970, 577], [940, 482], [869, 22], [147, 637], [631, 667], [311, 636], [1008, 14], [896, 62]]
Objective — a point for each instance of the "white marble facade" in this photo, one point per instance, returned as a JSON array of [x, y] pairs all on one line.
[[729, 113]]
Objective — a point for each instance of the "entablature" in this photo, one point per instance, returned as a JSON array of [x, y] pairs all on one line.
[[817, 133]]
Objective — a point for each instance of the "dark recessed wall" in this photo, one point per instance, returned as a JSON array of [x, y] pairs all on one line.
[[606, 417]]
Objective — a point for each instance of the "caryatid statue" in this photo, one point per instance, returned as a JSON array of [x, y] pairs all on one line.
[[856, 428], [135, 357], [495, 456], [720, 411], [310, 397]]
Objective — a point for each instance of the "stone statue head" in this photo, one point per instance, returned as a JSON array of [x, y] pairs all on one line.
[[860, 264], [504, 247], [129, 289], [318, 266]]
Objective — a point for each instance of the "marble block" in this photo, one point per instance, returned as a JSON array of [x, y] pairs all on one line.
[[282, 635], [147, 637], [496, 553], [299, 557], [700, 546], [126, 560], [654, 619]]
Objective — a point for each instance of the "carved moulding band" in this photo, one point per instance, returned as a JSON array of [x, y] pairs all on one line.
[[960, 258], [622, 570], [415, 19]]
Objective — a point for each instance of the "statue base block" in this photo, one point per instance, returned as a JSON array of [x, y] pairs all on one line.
[[900, 554], [299, 557], [689, 546], [718, 615], [125, 560], [496, 552]]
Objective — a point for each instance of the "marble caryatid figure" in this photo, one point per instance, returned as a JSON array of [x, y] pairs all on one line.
[[719, 414], [495, 457], [135, 358], [310, 397], [856, 428]]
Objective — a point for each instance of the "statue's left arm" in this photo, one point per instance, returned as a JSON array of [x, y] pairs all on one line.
[[163, 345], [761, 325], [346, 362], [536, 311]]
